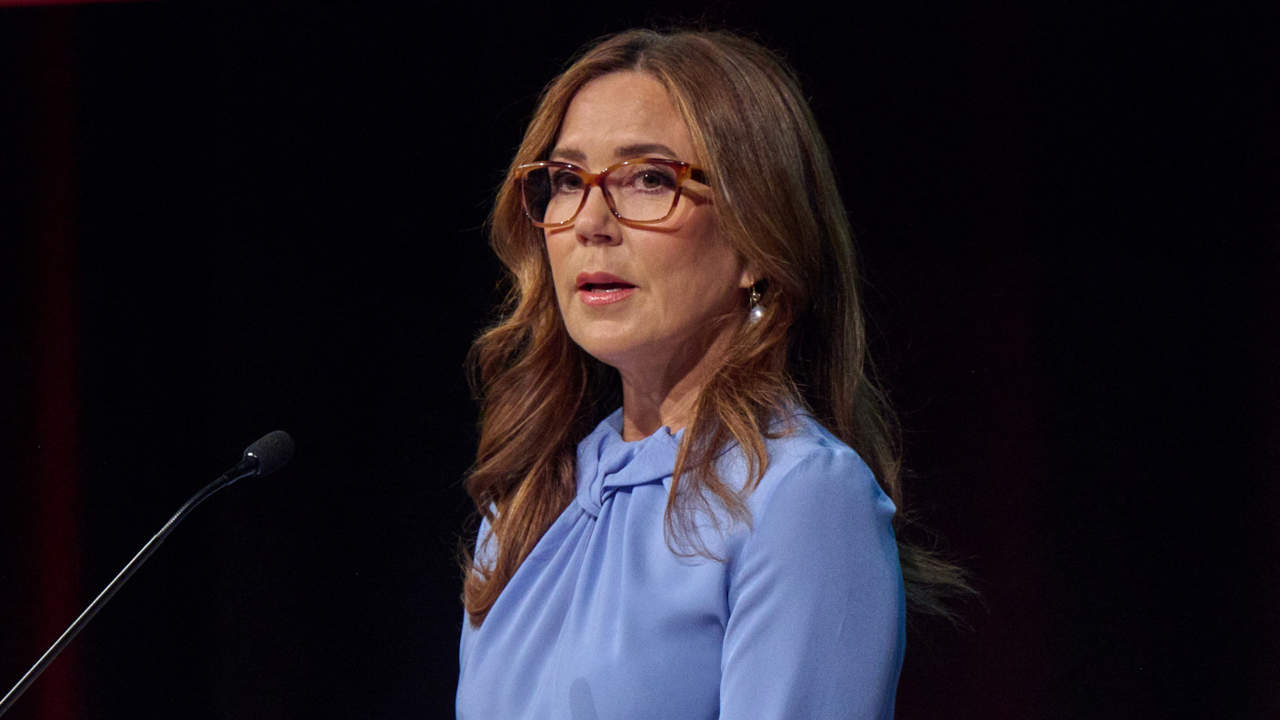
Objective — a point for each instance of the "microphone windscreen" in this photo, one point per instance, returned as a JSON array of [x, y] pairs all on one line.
[[272, 450]]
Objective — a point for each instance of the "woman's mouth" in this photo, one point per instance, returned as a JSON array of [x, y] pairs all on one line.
[[603, 288]]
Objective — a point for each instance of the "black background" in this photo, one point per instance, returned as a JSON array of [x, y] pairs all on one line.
[[224, 219]]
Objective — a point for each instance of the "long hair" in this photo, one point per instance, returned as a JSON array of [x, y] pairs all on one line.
[[776, 203]]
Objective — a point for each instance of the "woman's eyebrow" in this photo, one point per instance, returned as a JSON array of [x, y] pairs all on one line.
[[624, 152], [630, 151], [569, 155]]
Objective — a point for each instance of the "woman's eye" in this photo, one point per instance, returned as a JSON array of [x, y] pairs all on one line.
[[652, 179], [565, 181]]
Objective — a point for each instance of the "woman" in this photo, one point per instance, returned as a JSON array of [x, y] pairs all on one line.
[[722, 543]]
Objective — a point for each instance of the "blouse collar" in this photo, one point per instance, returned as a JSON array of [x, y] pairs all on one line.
[[606, 462]]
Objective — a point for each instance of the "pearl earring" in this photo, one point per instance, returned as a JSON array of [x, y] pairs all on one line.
[[756, 312]]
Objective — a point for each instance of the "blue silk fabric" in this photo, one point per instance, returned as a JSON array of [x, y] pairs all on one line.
[[800, 614]]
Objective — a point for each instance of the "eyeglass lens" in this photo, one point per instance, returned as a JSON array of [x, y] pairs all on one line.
[[639, 192]]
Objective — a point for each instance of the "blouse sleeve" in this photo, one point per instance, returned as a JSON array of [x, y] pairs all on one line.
[[816, 605]]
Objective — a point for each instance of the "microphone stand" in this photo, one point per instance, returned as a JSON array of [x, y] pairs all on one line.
[[246, 467]]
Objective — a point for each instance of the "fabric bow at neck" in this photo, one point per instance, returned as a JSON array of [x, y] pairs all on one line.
[[606, 462]]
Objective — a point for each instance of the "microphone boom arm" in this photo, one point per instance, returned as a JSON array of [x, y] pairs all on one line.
[[251, 464]]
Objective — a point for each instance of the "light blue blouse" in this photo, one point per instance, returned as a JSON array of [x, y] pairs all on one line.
[[802, 618]]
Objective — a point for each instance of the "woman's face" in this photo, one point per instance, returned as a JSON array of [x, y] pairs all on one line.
[[642, 299]]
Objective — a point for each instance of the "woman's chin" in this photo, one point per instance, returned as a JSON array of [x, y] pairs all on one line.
[[609, 341]]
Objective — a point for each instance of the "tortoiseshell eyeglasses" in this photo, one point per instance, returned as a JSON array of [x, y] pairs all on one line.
[[639, 191]]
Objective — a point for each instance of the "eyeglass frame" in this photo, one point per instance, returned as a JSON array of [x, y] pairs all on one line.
[[684, 171]]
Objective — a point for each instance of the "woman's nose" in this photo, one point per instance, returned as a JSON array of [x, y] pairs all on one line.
[[596, 222]]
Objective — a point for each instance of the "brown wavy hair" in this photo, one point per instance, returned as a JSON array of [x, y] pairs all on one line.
[[777, 205]]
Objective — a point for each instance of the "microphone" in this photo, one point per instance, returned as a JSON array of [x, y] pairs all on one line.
[[266, 455], [272, 451]]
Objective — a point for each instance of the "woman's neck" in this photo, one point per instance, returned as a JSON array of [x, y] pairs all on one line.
[[667, 395]]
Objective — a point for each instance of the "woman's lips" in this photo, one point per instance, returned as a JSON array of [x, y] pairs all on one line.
[[601, 288], [604, 295]]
